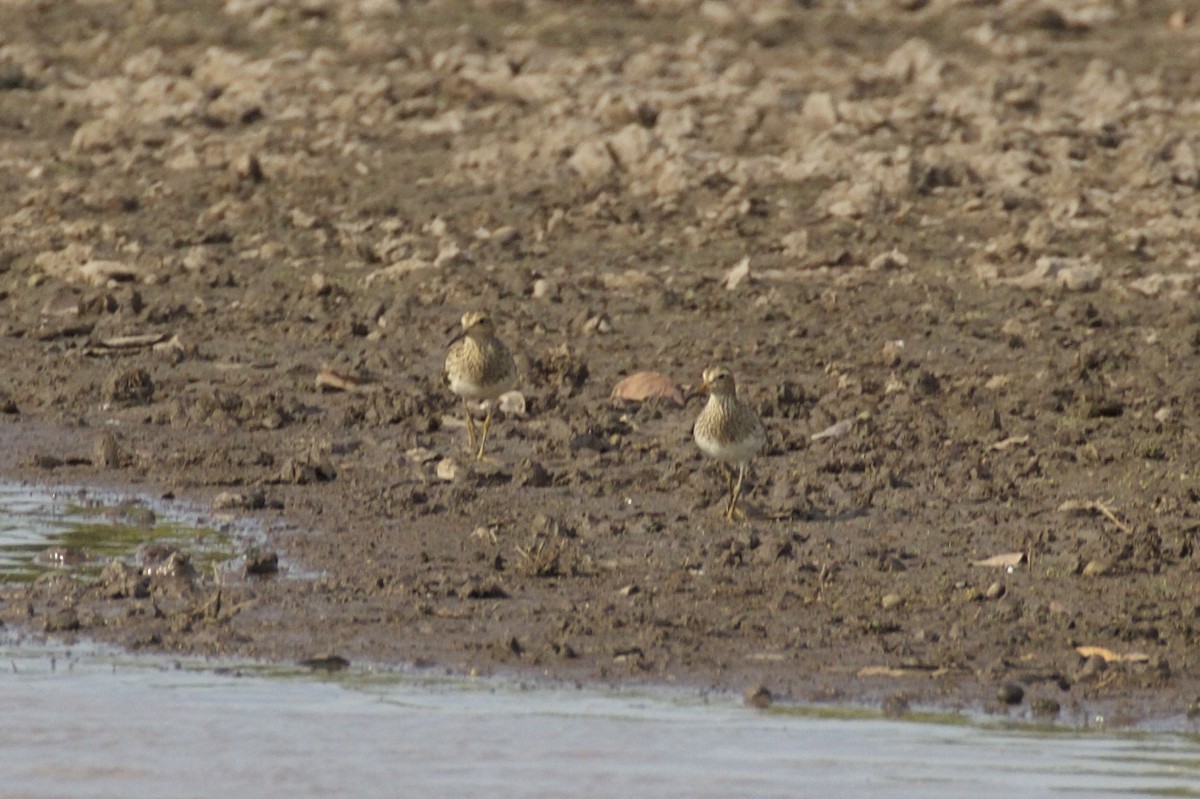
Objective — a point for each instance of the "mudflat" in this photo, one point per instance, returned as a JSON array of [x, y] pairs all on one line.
[[948, 249]]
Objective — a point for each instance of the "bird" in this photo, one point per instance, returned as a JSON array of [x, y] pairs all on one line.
[[728, 430], [479, 367]]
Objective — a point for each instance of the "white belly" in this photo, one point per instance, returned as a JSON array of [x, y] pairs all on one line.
[[731, 451], [477, 391]]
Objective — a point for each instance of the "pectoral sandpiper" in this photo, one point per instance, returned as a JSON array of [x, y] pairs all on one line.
[[479, 367], [728, 430]]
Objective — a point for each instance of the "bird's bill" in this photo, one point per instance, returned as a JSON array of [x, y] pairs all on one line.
[[451, 329]]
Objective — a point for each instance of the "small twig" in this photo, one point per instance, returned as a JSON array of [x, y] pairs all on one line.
[[1095, 506], [1112, 517]]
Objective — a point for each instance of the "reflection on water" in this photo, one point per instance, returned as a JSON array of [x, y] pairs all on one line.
[[78, 532], [90, 724]]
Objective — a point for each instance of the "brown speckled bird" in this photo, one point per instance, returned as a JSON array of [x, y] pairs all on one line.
[[728, 430], [479, 367]]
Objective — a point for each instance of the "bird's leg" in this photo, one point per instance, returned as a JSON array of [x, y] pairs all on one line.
[[736, 491], [728, 473], [470, 423], [487, 423]]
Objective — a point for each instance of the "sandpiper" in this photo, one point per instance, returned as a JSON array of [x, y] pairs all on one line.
[[479, 367], [728, 430]]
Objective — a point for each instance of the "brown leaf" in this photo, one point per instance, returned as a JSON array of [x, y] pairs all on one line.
[[1011, 441], [132, 342], [1001, 561], [919, 669], [1111, 656], [329, 380], [641, 386]]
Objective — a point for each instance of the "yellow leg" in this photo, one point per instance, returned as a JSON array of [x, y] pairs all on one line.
[[487, 424], [728, 474], [736, 492], [471, 435]]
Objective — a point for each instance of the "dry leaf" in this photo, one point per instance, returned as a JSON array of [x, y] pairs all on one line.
[[737, 274], [902, 671], [1002, 561], [420, 455], [835, 430], [1111, 656], [1011, 441], [132, 342], [1087, 506], [329, 380], [98, 273], [629, 280], [641, 386]]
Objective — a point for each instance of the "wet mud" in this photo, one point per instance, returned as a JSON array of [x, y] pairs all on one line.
[[949, 250]]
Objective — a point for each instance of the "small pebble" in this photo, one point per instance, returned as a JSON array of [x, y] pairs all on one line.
[[1010, 693], [757, 696]]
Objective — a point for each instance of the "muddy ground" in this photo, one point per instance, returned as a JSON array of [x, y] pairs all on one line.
[[233, 237]]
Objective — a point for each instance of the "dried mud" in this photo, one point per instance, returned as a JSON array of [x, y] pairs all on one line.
[[233, 237]]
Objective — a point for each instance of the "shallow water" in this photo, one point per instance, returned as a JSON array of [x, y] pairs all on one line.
[[97, 724], [91, 722], [77, 531]]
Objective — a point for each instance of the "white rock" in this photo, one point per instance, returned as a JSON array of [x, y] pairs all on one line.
[[450, 254], [97, 135], [512, 403], [914, 62], [818, 111], [1155, 284], [100, 273], [741, 73], [592, 161], [1072, 274], [718, 14], [448, 124], [241, 100], [672, 179], [847, 200], [63, 263], [143, 65], [894, 259], [795, 244], [614, 109], [449, 470], [219, 68], [398, 270], [630, 146], [185, 159], [529, 89]]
